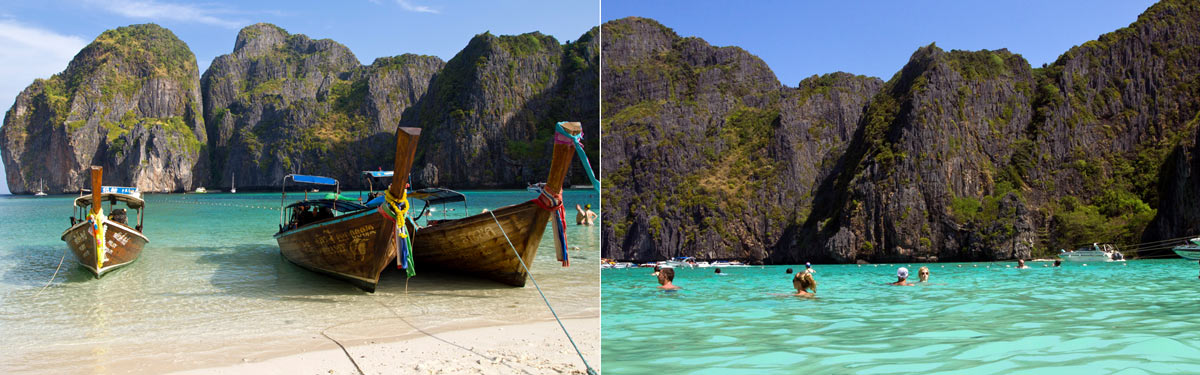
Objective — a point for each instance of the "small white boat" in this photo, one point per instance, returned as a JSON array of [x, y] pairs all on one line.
[[624, 265], [726, 264], [703, 264], [1189, 251], [1093, 253], [201, 190], [681, 262]]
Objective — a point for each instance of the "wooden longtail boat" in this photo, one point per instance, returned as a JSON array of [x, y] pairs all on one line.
[[121, 244], [342, 238], [475, 246]]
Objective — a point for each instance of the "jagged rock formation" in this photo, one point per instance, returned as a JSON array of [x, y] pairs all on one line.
[[129, 101], [283, 103], [489, 115], [959, 156], [705, 153]]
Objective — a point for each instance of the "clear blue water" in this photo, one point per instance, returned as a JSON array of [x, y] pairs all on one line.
[[1134, 318], [211, 289]]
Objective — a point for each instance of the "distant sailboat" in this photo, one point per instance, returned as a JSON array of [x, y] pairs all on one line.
[[233, 185], [41, 189]]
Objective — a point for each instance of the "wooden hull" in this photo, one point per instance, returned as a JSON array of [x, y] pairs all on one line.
[[124, 246], [475, 246], [354, 247]]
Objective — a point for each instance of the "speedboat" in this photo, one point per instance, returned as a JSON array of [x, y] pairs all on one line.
[[1190, 250], [681, 262], [1093, 253], [725, 264]]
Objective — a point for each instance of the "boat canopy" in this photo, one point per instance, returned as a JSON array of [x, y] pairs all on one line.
[[335, 204], [130, 191], [129, 200], [339, 197], [378, 174], [320, 180], [438, 196]]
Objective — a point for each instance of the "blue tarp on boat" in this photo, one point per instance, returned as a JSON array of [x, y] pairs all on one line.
[[378, 174], [320, 180]]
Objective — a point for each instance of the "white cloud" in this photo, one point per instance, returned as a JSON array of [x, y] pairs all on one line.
[[409, 6], [159, 11], [28, 53]]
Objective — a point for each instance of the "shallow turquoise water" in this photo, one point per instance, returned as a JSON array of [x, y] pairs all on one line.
[[981, 318], [212, 289]]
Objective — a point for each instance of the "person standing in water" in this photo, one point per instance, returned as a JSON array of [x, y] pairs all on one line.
[[923, 274], [584, 215], [1021, 264], [901, 276], [804, 281], [665, 278], [808, 268]]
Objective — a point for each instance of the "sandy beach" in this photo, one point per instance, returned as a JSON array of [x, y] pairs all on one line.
[[529, 348]]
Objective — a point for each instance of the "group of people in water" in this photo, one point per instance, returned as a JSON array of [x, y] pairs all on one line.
[[806, 284], [585, 215]]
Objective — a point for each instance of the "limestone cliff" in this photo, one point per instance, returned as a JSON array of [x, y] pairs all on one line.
[[489, 116], [959, 156], [283, 103], [129, 101]]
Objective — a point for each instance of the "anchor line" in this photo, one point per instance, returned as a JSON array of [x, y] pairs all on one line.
[[589, 368]]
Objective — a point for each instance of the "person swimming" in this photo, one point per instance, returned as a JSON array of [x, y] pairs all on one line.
[[1058, 262], [789, 271], [804, 281], [923, 274], [718, 271], [901, 276], [1021, 264], [665, 278]]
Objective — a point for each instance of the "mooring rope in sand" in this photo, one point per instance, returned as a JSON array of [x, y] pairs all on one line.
[[339, 344], [590, 370], [60, 262]]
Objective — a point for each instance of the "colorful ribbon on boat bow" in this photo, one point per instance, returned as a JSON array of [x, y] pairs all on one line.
[[558, 217], [404, 259], [577, 140], [98, 235]]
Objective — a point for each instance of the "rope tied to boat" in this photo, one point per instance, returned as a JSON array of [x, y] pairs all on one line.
[[589, 368], [559, 216], [403, 240], [98, 228], [577, 140]]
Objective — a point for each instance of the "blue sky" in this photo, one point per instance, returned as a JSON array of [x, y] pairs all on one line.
[[39, 38], [798, 39]]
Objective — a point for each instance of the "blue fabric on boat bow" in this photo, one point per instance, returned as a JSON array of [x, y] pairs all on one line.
[[578, 141]]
